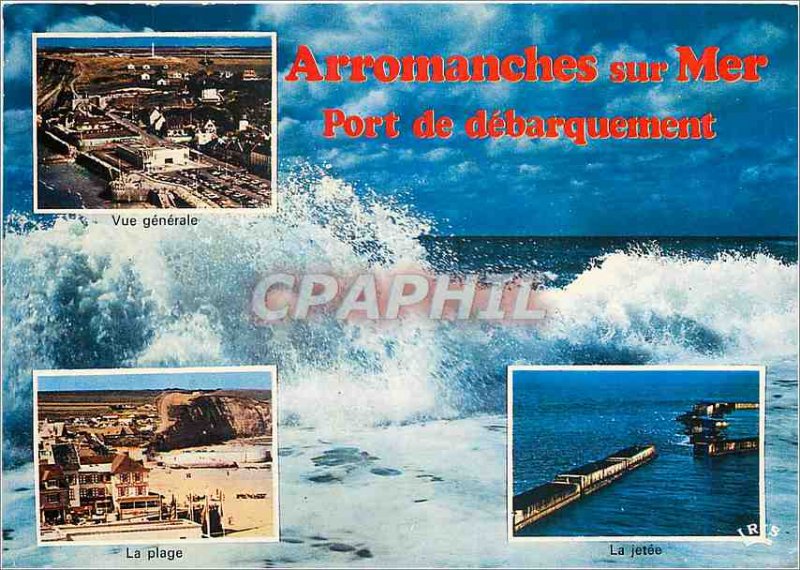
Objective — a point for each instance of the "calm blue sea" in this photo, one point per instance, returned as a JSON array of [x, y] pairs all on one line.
[[564, 420]]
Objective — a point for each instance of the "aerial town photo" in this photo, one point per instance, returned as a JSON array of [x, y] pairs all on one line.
[[136, 456], [148, 121]]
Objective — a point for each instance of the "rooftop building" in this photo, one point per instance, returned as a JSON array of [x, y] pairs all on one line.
[[53, 494], [210, 95], [154, 158]]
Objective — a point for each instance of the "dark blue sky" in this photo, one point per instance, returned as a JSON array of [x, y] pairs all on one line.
[[742, 183]]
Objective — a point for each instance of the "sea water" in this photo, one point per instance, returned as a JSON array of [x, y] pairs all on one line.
[[65, 185], [424, 401], [565, 420]]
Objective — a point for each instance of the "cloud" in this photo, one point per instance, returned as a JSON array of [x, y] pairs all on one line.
[[507, 145], [17, 50], [537, 29], [374, 102], [346, 159], [301, 92], [760, 36], [286, 125], [468, 24], [475, 16], [654, 100], [750, 35], [383, 28], [17, 61], [529, 169], [91, 24], [767, 173], [405, 154], [332, 40], [266, 16], [621, 52], [438, 154], [463, 170], [367, 20], [17, 121]]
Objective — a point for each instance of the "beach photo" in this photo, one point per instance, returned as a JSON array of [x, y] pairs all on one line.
[[156, 455], [635, 452], [154, 121]]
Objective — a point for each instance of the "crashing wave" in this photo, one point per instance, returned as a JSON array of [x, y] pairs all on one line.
[[83, 293]]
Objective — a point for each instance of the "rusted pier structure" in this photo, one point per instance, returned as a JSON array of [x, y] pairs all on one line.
[[539, 502], [718, 409], [706, 424], [726, 446]]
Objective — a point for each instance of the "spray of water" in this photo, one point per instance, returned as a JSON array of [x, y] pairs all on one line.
[[82, 294]]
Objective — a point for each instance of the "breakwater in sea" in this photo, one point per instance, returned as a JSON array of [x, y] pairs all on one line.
[[707, 428], [567, 488]]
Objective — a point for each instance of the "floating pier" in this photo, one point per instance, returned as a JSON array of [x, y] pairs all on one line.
[[717, 409], [566, 488], [705, 426], [718, 447]]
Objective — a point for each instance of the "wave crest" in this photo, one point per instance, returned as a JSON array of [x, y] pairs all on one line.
[[83, 293], [737, 305]]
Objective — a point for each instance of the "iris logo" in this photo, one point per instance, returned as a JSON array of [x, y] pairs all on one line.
[[752, 534]]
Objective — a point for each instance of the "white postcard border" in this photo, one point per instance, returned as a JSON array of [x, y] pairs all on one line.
[[269, 369], [273, 207], [762, 372]]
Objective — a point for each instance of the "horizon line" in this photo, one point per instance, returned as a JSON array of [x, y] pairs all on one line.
[[645, 236]]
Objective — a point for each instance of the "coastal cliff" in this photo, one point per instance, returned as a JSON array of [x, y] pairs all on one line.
[[189, 420], [55, 78]]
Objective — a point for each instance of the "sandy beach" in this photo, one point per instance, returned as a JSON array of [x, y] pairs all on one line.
[[248, 501]]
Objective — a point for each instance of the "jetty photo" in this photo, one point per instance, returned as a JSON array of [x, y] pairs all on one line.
[[132, 456], [149, 121], [605, 452]]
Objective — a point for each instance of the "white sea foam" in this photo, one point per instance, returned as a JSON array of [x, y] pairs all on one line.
[[88, 294], [740, 306]]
